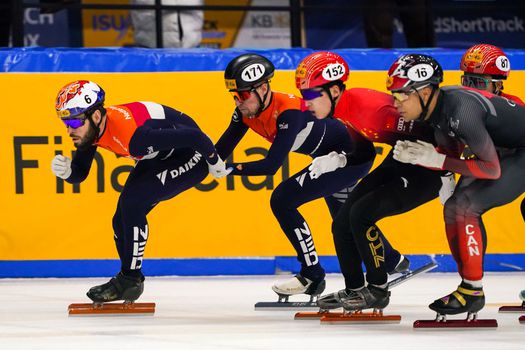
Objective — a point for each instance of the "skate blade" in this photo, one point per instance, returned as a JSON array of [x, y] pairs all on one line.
[[359, 318], [478, 323], [111, 309], [285, 305], [522, 319], [411, 274], [512, 308], [312, 315]]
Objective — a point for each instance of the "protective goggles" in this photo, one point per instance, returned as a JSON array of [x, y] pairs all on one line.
[[403, 95], [241, 95], [74, 123], [310, 94], [477, 82]]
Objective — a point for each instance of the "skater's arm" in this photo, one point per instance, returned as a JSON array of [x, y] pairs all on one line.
[[471, 130], [154, 134], [231, 136], [289, 124], [81, 164]]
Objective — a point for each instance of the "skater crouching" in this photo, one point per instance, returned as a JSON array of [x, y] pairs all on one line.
[[172, 155], [493, 128]]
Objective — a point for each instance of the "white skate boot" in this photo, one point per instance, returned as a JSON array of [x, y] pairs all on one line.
[[299, 285], [294, 286]]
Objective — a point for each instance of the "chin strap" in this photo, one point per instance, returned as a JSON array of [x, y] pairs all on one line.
[[497, 91], [262, 107], [95, 126], [425, 106], [326, 88]]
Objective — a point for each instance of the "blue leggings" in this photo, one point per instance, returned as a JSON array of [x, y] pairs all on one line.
[[300, 189], [150, 182]]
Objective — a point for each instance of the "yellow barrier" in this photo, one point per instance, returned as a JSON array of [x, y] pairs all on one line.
[[231, 219]]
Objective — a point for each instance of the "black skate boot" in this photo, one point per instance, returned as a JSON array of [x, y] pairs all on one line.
[[465, 299], [370, 297], [120, 287], [403, 266], [334, 300]]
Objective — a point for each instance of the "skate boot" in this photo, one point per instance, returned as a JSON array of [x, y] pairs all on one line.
[[370, 297], [120, 287], [402, 266], [299, 285], [334, 300], [465, 299]]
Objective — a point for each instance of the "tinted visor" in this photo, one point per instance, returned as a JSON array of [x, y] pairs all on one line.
[[74, 123], [310, 94], [475, 82], [241, 95]]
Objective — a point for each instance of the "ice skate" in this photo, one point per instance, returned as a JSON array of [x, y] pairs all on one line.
[[338, 299], [294, 286], [333, 301], [120, 287], [354, 301], [465, 299], [325, 303], [370, 297], [403, 266], [515, 308]]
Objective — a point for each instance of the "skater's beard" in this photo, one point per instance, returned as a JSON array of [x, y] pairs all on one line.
[[87, 140]]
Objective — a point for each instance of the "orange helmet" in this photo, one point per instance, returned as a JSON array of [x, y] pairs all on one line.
[[486, 59], [321, 68]]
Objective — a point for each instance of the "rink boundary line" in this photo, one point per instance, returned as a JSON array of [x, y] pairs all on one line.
[[222, 266]]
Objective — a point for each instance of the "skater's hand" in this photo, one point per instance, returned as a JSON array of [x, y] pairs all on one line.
[[420, 153], [219, 169], [447, 189], [61, 166], [327, 163]]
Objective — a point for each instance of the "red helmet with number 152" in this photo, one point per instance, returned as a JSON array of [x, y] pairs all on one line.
[[321, 68]]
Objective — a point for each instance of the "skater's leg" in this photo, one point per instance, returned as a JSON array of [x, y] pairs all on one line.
[[294, 192], [408, 187], [466, 232], [142, 191]]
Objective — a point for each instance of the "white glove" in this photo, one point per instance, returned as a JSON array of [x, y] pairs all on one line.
[[61, 166], [327, 163], [219, 169], [420, 153], [400, 153], [447, 189]]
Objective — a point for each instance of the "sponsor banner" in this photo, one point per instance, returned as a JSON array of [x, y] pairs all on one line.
[[46, 29], [107, 27], [491, 22], [46, 219], [221, 29]]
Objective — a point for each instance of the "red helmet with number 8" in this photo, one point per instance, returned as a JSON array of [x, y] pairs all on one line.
[[487, 60], [321, 68]]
